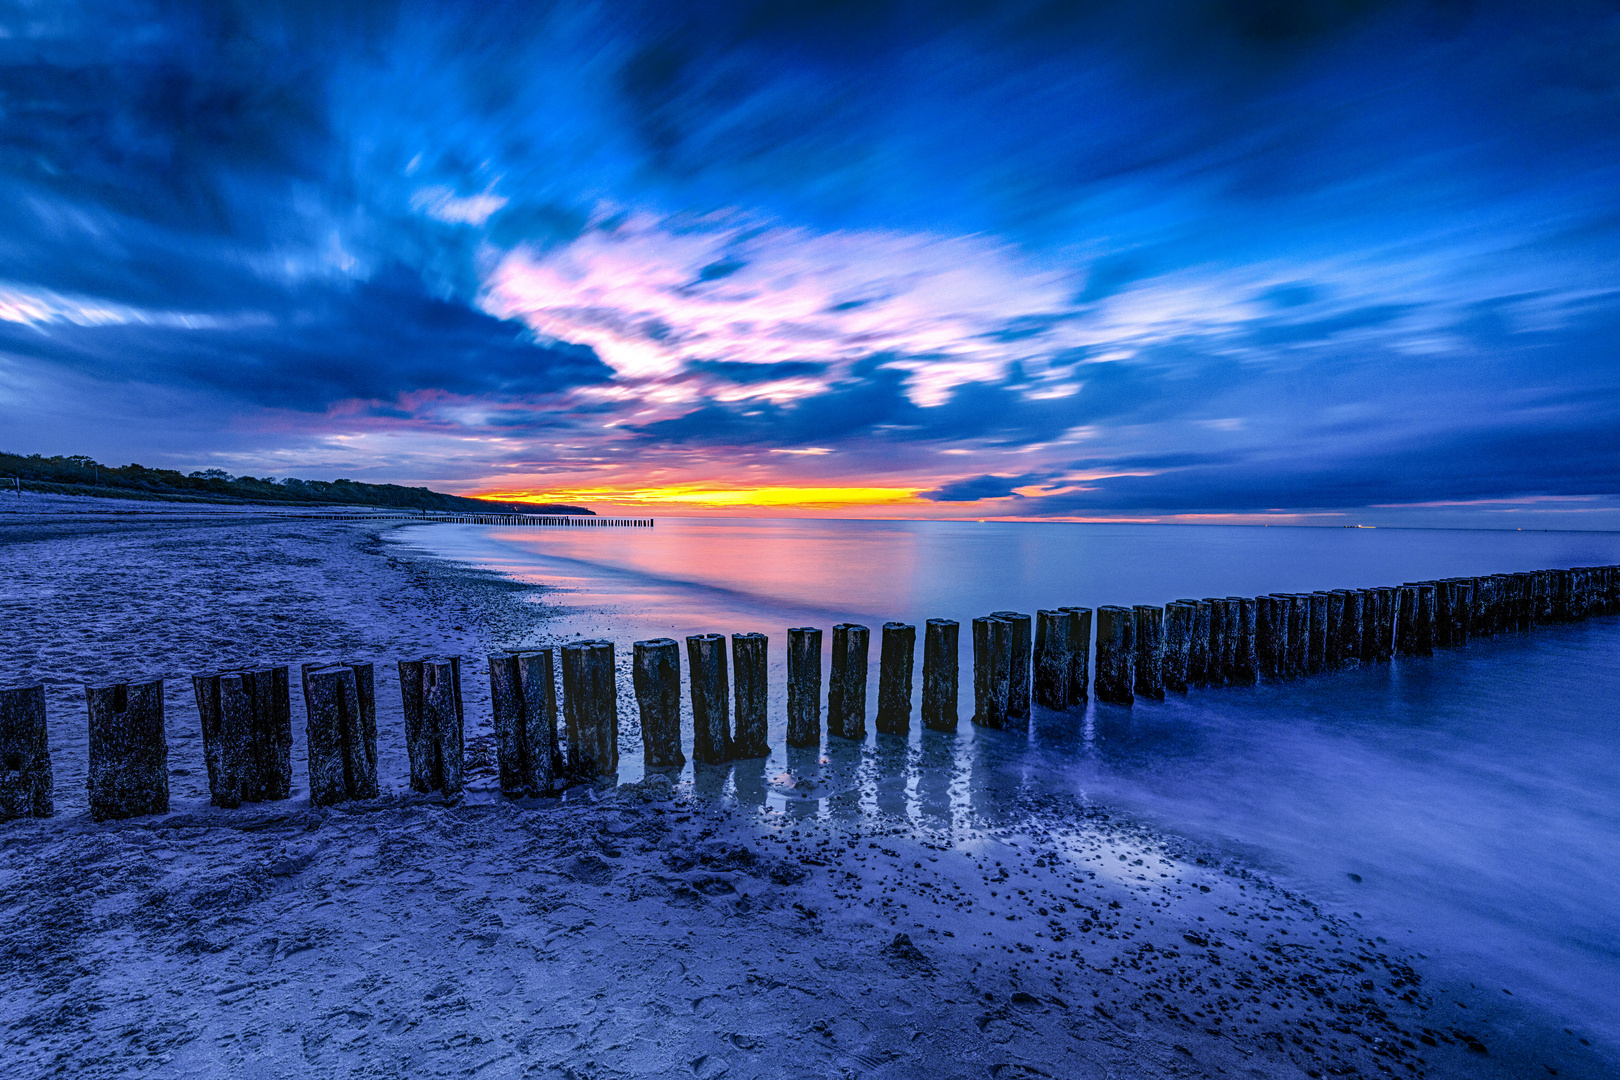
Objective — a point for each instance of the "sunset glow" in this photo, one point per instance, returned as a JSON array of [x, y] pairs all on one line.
[[700, 497]]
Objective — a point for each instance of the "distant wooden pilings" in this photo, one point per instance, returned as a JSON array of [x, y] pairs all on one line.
[[1141, 652], [566, 521]]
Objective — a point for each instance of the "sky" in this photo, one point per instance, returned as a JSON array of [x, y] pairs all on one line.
[[1231, 260]]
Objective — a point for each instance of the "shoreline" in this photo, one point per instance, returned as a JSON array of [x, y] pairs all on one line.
[[547, 898]]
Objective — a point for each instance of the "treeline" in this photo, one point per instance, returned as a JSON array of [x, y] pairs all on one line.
[[79, 475]]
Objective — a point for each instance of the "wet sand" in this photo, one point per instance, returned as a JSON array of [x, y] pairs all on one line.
[[913, 923]]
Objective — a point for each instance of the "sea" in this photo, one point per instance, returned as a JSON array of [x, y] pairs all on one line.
[[1464, 806]]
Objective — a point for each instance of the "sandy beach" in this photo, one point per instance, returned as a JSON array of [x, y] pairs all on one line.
[[649, 930]]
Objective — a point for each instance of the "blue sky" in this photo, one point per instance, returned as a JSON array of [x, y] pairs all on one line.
[[1292, 261]]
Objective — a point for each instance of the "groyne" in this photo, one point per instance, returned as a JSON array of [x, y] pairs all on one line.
[[1019, 662]]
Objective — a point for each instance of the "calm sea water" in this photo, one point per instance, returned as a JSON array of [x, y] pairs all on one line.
[[1465, 806]]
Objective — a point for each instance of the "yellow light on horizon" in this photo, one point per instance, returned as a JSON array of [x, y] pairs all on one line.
[[692, 495]]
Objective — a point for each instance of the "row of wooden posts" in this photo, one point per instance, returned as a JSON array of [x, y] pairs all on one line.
[[1142, 651]]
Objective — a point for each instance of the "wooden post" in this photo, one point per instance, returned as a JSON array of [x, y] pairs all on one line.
[[846, 691], [1299, 634], [1080, 654], [340, 729], [804, 686], [1243, 666], [1316, 616], [1271, 635], [750, 685], [523, 696], [1368, 625], [656, 674], [247, 734], [591, 709], [1215, 662], [711, 698], [1333, 652], [430, 695], [1444, 590], [1116, 655], [896, 658], [1053, 658], [1178, 629], [1385, 598], [1018, 673], [129, 750], [26, 782], [1149, 631], [1198, 644], [992, 668], [1524, 598], [941, 647]]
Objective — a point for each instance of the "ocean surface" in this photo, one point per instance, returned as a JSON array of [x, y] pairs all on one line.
[[1464, 806]]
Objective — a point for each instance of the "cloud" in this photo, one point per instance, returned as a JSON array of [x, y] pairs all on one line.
[[1181, 256], [977, 488]]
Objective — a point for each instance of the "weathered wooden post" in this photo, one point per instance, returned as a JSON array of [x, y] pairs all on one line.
[[1198, 644], [1080, 655], [750, 683], [940, 674], [1524, 600], [1406, 604], [247, 734], [1149, 632], [340, 729], [1018, 674], [1116, 655], [1333, 629], [1367, 623], [1317, 617], [1483, 623], [1053, 658], [26, 783], [897, 656], [711, 698], [992, 668], [1462, 610], [1386, 622], [1215, 662], [804, 686], [846, 691], [1298, 607], [1270, 635], [655, 674], [1243, 666], [430, 695], [523, 697], [1448, 615], [129, 750], [1178, 628], [591, 708]]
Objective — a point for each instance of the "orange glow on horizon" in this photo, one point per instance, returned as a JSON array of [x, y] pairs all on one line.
[[694, 495]]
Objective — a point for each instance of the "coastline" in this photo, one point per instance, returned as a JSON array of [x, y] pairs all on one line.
[[603, 934]]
